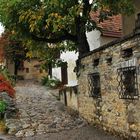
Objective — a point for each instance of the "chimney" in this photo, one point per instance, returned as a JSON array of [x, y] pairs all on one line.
[[137, 24]]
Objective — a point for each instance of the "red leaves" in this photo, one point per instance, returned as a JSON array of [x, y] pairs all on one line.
[[2, 78], [6, 86]]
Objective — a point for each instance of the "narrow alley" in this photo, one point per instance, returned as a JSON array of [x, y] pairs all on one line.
[[42, 116]]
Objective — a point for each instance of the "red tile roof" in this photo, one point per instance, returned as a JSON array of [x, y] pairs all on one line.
[[111, 27]]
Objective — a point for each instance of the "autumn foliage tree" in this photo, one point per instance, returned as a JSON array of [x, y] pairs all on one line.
[[12, 49], [5, 86], [53, 21], [16, 53]]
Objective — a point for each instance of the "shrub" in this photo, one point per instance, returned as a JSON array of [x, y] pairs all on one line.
[[44, 80], [6, 75], [3, 106], [6, 86], [50, 82]]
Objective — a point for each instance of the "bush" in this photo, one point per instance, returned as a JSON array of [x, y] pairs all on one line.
[[44, 80], [5, 73], [6, 86], [50, 82], [3, 106]]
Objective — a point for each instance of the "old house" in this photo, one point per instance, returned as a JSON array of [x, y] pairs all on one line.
[[109, 82], [112, 30], [28, 69], [110, 92]]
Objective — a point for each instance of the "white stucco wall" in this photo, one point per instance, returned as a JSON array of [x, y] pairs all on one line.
[[96, 40], [70, 58], [93, 38], [56, 72], [1, 29]]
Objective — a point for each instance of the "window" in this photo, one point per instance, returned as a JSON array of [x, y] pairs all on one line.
[[27, 70], [128, 85], [21, 66], [96, 62], [94, 85], [127, 52], [40, 70], [109, 60]]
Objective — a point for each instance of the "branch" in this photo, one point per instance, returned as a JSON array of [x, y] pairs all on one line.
[[86, 8], [64, 37]]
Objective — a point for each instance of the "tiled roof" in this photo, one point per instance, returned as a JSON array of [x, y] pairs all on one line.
[[111, 27]]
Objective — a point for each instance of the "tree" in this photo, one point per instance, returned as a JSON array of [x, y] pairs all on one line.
[[16, 53], [53, 21], [13, 50]]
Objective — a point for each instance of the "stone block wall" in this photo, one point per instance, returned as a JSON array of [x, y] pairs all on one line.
[[69, 97], [11, 110], [32, 70], [110, 111]]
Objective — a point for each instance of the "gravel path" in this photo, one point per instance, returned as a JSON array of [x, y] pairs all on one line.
[[42, 117]]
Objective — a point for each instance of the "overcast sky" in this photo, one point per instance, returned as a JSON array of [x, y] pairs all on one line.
[[1, 29]]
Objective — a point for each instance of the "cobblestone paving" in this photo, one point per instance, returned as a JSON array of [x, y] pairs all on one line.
[[42, 116]]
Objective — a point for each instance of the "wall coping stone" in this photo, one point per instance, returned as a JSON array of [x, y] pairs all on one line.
[[110, 44], [69, 88]]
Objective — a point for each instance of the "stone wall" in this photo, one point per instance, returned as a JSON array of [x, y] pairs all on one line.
[[32, 70], [69, 97], [70, 57], [110, 111], [11, 110]]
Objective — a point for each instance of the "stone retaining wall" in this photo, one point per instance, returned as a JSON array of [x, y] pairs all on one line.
[[11, 110], [69, 97], [10, 113], [109, 109]]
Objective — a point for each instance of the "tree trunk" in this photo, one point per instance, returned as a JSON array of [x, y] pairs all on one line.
[[83, 46], [81, 21], [16, 68]]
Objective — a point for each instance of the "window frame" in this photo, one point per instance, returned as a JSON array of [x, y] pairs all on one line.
[[94, 85], [127, 88]]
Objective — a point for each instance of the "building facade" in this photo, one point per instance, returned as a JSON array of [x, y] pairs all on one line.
[[28, 70]]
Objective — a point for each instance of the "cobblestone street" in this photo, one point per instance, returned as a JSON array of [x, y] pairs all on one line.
[[42, 116]]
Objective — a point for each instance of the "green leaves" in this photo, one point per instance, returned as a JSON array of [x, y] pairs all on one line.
[[117, 6], [3, 106], [55, 19], [48, 17]]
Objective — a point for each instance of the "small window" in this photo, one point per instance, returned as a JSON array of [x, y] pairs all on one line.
[[94, 85], [128, 85], [41, 71], [27, 70], [127, 53], [109, 60], [96, 62], [21, 66]]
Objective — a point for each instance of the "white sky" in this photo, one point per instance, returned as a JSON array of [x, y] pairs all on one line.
[[1, 29]]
